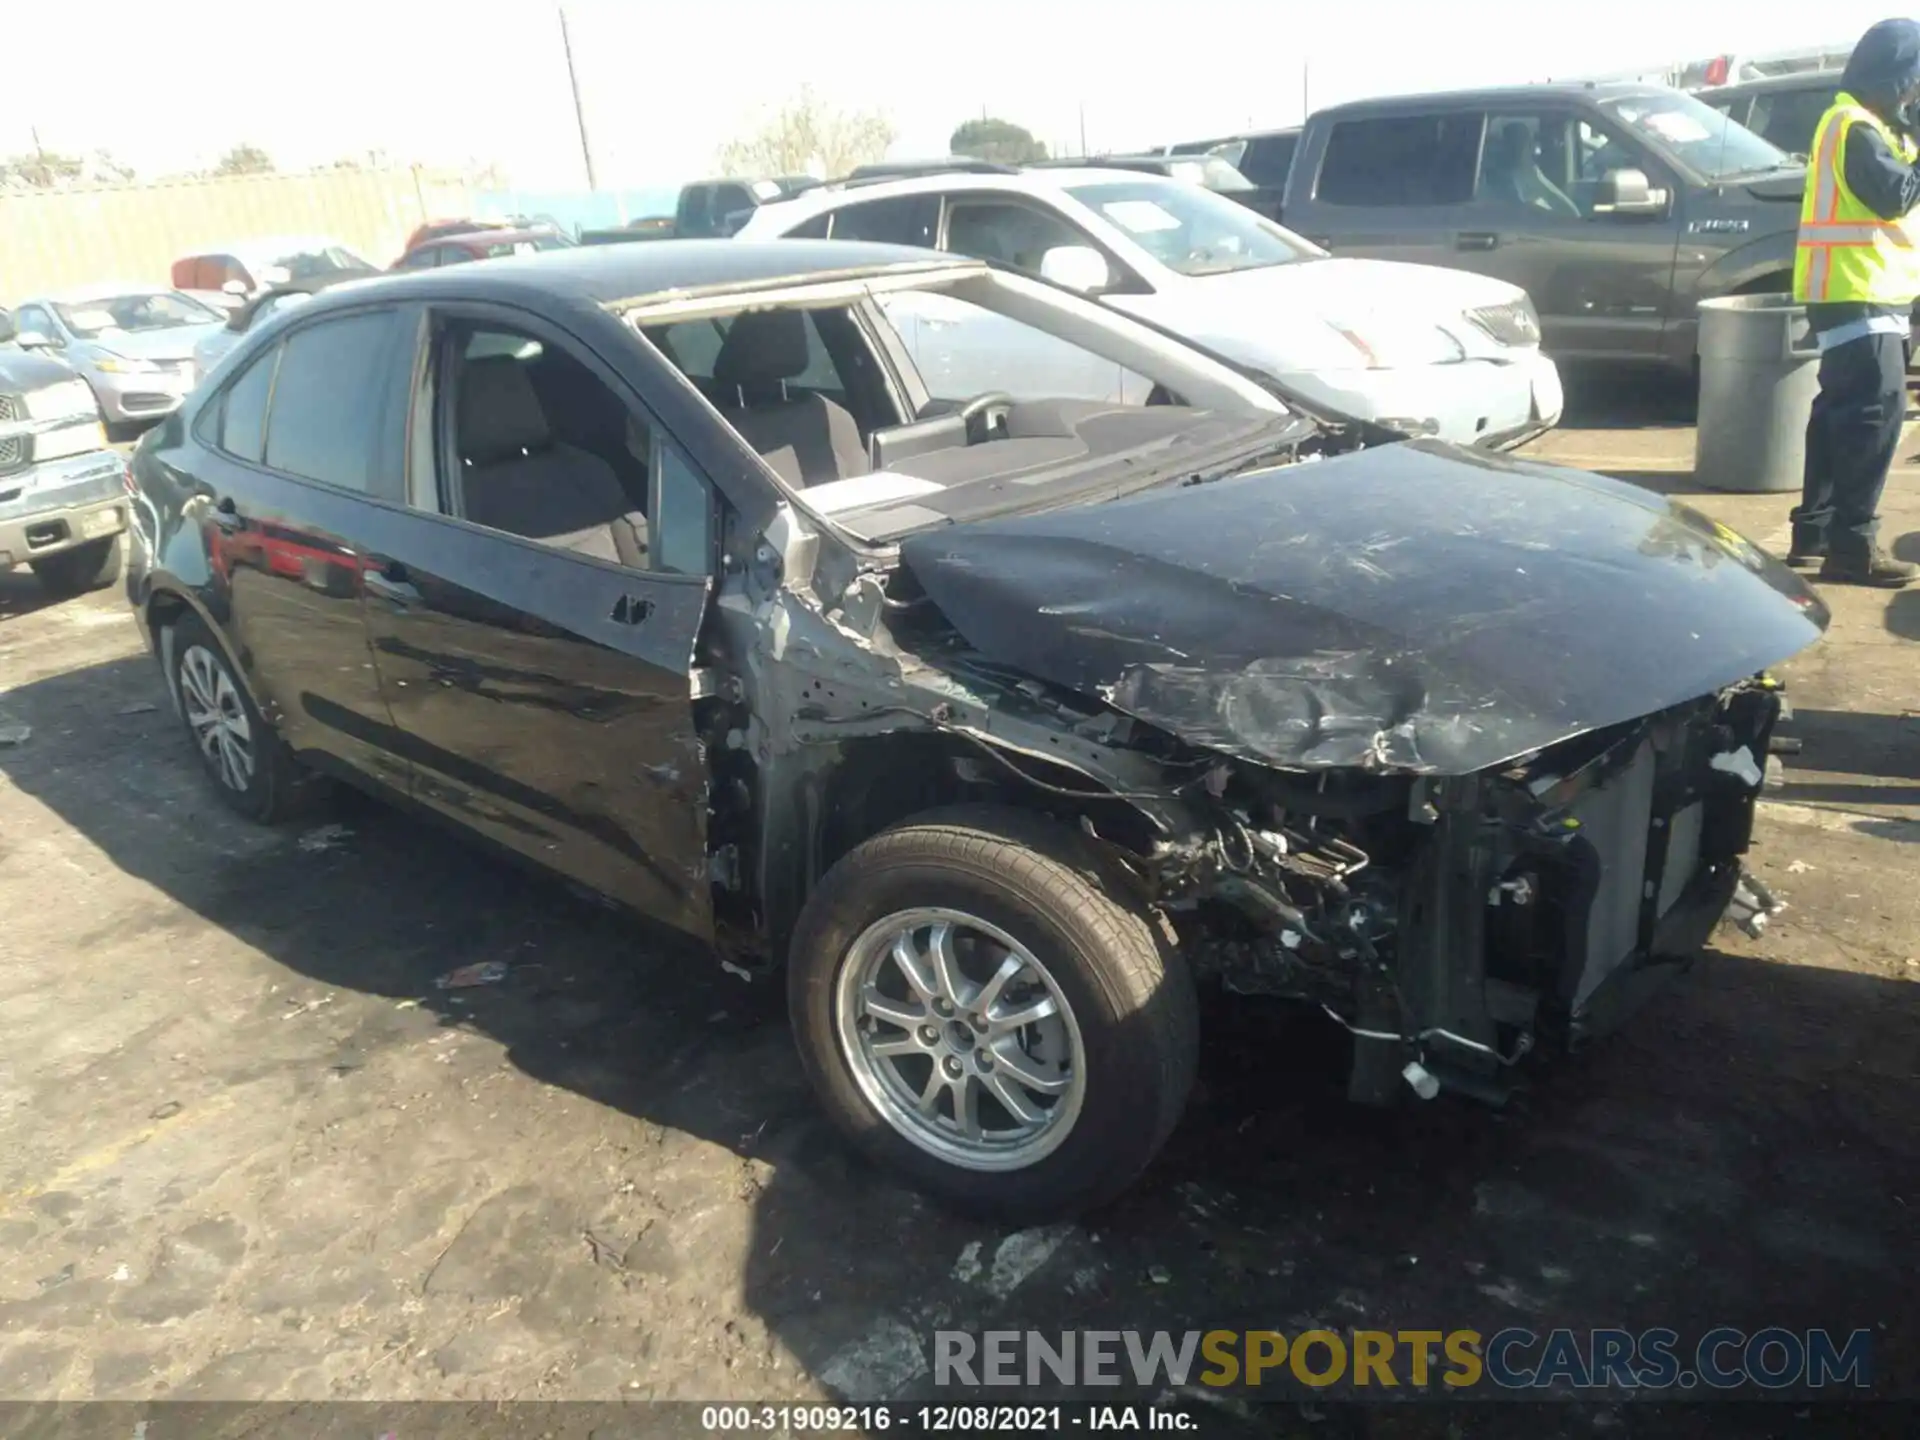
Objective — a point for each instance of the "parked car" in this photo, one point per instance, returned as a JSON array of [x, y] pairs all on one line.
[[1618, 208], [1784, 110], [1421, 350], [133, 345], [439, 229], [229, 275], [62, 497], [1736, 67], [996, 727], [1263, 156], [214, 346], [458, 249]]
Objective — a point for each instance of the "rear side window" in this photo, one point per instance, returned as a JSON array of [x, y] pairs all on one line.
[[329, 400], [905, 220], [243, 409], [1789, 119], [1401, 160], [1268, 158], [814, 229]]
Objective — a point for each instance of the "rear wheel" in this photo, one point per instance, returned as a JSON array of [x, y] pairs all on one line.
[[92, 566], [979, 1006], [251, 769]]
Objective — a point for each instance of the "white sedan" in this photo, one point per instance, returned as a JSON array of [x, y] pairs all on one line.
[[1417, 348]]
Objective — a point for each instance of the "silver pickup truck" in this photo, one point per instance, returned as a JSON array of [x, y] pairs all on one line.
[[63, 505]]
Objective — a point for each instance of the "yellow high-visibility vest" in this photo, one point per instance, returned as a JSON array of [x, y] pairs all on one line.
[[1845, 251]]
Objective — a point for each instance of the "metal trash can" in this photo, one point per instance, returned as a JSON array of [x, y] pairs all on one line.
[[1759, 372]]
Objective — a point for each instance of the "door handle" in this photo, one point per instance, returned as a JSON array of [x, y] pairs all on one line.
[[1475, 240], [390, 583]]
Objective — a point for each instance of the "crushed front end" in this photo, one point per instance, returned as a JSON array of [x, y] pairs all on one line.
[[1454, 924]]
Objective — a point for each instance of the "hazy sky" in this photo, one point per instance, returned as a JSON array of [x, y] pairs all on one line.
[[169, 86]]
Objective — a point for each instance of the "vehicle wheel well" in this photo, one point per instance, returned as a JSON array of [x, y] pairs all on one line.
[[164, 608], [890, 779]]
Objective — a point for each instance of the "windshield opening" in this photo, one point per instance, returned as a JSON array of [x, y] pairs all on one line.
[[133, 313], [1700, 137], [1190, 230]]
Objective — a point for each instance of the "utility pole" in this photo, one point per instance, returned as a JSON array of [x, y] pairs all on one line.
[[579, 114], [1083, 129]]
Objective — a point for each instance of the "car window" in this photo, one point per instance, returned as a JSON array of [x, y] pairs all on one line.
[[1266, 159], [1008, 231], [1698, 135], [243, 408], [729, 198], [1400, 160], [814, 229], [1192, 231], [1790, 118], [962, 350], [694, 348], [425, 258], [329, 400], [543, 447], [684, 515], [903, 220], [31, 318], [1524, 165]]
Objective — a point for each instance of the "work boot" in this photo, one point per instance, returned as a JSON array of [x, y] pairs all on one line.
[[1805, 550], [1875, 567]]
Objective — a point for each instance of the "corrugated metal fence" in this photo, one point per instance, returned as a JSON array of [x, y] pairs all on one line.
[[50, 239]]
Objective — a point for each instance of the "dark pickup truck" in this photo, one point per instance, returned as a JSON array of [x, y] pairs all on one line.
[[1617, 207]]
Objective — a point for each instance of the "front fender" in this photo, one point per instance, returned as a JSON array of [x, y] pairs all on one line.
[[1743, 269]]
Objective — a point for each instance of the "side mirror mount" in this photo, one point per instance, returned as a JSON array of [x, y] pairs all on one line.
[[32, 340], [1627, 192], [1076, 267]]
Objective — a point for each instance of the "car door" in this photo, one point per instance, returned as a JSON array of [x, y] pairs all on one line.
[[304, 461], [535, 610], [1603, 283], [1392, 187]]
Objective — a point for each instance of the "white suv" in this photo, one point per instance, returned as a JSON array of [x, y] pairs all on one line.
[[1419, 349]]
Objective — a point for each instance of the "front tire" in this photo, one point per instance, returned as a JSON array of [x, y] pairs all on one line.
[[980, 1006], [253, 772], [92, 566]]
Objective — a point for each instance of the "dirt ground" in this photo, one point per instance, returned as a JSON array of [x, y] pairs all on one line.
[[249, 1151]]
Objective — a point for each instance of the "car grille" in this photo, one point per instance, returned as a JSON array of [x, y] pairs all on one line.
[[1514, 323], [13, 449]]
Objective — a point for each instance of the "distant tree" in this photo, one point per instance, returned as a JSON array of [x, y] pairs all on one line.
[[245, 159], [1001, 141], [42, 170], [807, 135], [345, 162]]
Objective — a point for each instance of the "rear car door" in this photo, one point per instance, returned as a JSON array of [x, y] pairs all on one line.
[[535, 609], [305, 459], [1392, 187], [1603, 283]]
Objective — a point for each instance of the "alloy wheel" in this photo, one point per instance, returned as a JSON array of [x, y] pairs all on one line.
[[961, 1039], [217, 716]]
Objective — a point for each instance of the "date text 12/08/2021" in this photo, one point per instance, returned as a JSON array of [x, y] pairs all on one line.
[[942, 1419]]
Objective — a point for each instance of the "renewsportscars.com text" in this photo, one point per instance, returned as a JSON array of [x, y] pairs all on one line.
[[1510, 1359]]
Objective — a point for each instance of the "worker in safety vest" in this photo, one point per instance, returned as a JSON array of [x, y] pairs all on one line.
[[1857, 268]]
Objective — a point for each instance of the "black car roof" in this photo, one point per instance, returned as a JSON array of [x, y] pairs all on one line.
[[612, 274], [1498, 95]]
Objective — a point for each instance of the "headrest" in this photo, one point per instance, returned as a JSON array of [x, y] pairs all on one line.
[[763, 347], [499, 413]]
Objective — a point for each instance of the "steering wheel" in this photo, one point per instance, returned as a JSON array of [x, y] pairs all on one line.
[[976, 413]]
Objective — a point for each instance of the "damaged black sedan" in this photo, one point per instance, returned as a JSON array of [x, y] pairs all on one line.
[[998, 723]]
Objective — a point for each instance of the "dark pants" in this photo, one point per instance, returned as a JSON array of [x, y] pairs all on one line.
[[1851, 439]]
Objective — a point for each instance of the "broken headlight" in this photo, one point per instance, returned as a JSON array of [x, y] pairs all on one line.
[[1515, 323]]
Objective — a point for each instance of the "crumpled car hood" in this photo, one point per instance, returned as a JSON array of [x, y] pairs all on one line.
[[1413, 607]]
